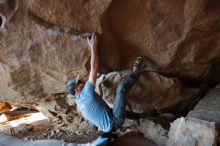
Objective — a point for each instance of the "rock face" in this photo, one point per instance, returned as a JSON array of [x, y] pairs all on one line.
[[42, 45], [37, 58], [192, 132]]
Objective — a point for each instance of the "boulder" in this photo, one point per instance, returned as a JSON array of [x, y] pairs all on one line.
[[154, 132], [208, 108], [192, 132]]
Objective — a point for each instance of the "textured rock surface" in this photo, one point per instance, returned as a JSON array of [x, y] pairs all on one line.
[[192, 132], [81, 15], [36, 60], [181, 37]]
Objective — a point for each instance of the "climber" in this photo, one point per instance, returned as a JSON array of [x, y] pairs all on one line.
[[91, 105]]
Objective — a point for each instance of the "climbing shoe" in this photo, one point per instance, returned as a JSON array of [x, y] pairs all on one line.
[[138, 62]]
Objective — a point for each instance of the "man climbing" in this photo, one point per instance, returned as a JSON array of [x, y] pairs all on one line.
[[92, 106]]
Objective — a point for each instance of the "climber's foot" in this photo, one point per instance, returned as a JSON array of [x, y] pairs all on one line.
[[137, 64]]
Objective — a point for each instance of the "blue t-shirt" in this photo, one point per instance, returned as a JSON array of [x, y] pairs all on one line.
[[94, 108]]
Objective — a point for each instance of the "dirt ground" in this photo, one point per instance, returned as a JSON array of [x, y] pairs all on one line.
[[59, 134], [46, 130]]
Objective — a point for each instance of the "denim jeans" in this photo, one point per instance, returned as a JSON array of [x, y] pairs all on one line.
[[119, 105]]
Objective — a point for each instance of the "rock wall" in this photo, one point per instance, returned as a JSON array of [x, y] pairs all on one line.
[[42, 45]]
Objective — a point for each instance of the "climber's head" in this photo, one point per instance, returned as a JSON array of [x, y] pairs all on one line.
[[75, 86]]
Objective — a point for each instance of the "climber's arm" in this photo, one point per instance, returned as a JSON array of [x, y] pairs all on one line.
[[94, 62]]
